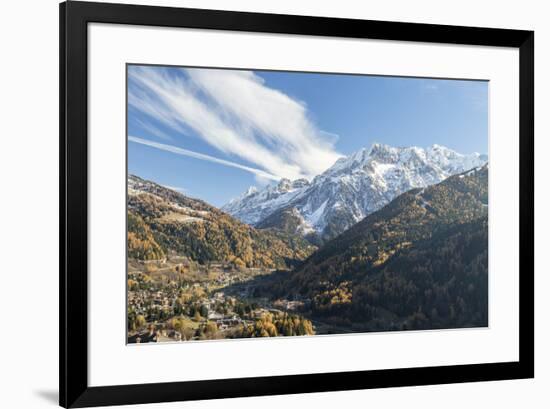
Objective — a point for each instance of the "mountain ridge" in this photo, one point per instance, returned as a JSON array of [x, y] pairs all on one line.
[[352, 188], [161, 220], [419, 262]]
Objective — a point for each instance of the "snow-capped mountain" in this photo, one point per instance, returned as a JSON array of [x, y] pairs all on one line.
[[352, 188], [254, 205]]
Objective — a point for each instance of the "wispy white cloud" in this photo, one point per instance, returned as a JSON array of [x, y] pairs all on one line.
[[239, 115], [153, 130], [185, 152]]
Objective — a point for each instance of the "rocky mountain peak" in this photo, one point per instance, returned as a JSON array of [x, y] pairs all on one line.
[[354, 186]]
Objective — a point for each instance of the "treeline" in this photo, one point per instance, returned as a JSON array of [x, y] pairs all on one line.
[[274, 325], [268, 325]]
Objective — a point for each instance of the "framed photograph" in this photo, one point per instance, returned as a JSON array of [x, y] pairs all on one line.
[[256, 204]]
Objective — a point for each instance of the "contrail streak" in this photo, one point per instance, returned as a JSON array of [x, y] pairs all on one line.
[[202, 156]]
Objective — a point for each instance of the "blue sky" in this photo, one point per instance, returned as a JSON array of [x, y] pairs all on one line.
[[213, 133]]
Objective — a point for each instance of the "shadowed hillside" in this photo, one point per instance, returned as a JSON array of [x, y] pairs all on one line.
[[419, 262]]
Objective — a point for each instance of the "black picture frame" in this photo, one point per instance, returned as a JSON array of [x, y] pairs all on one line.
[[73, 257]]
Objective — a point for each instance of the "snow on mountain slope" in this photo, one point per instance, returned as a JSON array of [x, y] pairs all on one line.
[[176, 207], [255, 205], [353, 187]]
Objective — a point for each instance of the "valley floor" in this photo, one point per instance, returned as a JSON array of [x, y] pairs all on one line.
[[176, 299]]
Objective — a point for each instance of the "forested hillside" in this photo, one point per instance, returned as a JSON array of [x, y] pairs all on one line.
[[161, 220], [419, 262]]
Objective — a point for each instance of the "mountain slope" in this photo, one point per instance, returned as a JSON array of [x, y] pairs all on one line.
[[254, 205], [419, 262], [161, 220], [349, 190]]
